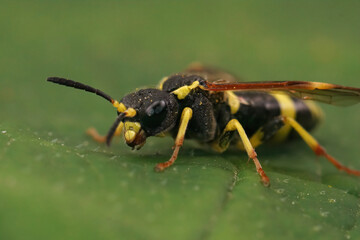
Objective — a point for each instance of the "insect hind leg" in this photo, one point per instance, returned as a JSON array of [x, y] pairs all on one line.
[[92, 132], [316, 147]]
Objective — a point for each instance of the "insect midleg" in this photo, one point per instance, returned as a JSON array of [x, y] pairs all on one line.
[[266, 132], [316, 147], [234, 125], [185, 118], [92, 132]]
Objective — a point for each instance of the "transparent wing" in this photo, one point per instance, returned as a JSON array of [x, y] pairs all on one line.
[[316, 91]]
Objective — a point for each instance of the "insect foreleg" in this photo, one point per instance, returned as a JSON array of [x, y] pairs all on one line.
[[185, 118], [316, 147], [92, 132], [234, 125]]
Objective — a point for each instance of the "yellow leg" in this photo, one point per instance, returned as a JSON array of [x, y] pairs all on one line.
[[97, 137], [255, 140], [235, 125], [185, 118], [316, 147], [273, 128]]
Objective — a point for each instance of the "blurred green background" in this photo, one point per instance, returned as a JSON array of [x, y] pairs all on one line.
[[55, 183]]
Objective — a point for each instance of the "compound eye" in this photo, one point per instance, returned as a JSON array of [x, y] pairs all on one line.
[[154, 115], [155, 108]]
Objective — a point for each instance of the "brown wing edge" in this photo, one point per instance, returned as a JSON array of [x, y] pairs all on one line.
[[316, 91]]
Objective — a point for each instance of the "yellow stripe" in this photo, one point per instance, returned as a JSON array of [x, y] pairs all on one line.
[[233, 101], [183, 91], [287, 108]]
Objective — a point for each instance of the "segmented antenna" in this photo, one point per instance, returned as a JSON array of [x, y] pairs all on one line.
[[112, 130], [71, 83]]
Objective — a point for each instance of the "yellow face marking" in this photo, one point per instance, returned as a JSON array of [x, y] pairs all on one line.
[[130, 136], [131, 130], [134, 126], [162, 81], [288, 109], [183, 91], [233, 101]]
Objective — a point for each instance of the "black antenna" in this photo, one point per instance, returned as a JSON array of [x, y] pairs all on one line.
[[112, 130], [71, 83]]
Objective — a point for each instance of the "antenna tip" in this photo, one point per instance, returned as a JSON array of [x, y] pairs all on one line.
[[53, 79]]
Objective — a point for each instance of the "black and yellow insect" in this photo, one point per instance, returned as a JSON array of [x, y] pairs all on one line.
[[210, 106]]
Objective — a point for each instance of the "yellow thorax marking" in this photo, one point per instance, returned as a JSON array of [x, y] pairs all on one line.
[[183, 91], [233, 101], [287, 109]]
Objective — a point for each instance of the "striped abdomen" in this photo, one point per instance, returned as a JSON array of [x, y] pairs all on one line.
[[260, 108]]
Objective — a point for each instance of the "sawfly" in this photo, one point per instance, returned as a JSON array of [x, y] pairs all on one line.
[[212, 107]]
